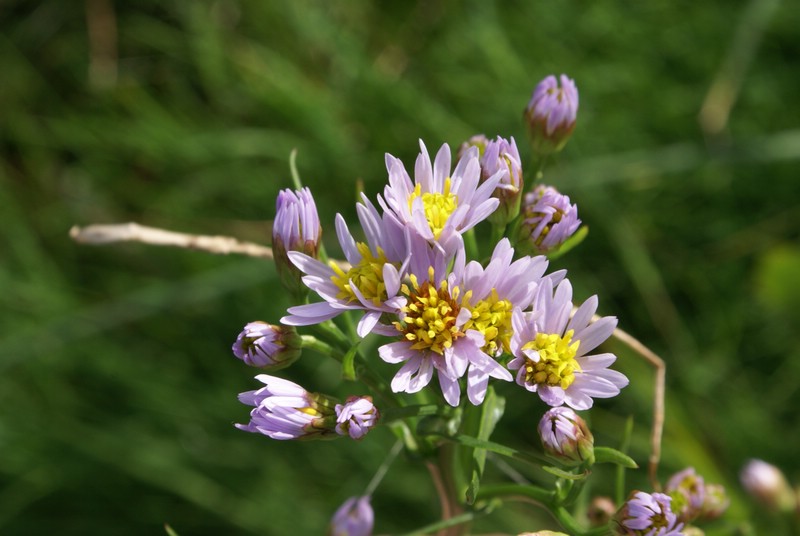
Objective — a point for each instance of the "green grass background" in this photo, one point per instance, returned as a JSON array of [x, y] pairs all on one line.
[[117, 386]]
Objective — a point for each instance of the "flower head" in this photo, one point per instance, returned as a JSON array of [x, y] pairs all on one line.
[[371, 281], [284, 410], [502, 156], [552, 350], [266, 346], [457, 323], [439, 205], [296, 228], [767, 484], [354, 518], [565, 436], [715, 503], [548, 220], [647, 514], [551, 114], [688, 492], [356, 416]]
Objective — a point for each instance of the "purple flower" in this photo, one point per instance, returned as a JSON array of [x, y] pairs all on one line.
[[502, 156], [266, 346], [551, 114], [552, 350], [284, 410], [688, 492], [296, 228], [369, 284], [566, 437], [353, 518], [767, 484], [439, 205], [548, 220], [457, 323], [356, 416], [646, 514]]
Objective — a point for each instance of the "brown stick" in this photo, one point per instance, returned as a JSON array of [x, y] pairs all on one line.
[[99, 234]]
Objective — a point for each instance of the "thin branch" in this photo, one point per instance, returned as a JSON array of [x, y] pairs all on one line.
[[658, 398], [99, 234]]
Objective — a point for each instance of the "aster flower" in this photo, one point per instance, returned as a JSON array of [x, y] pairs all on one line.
[[548, 220], [551, 114], [646, 514], [296, 228], [715, 503], [502, 156], [566, 437], [266, 346], [439, 205], [457, 323], [356, 416], [370, 284], [284, 410], [767, 484], [354, 518], [688, 492], [552, 350]]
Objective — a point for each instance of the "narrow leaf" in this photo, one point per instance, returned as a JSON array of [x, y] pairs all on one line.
[[609, 455], [560, 473]]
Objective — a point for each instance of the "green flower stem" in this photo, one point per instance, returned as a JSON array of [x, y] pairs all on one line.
[[333, 334], [313, 343], [394, 414], [471, 244], [466, 517]]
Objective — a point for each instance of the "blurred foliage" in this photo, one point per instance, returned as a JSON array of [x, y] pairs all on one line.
[[118, 388]]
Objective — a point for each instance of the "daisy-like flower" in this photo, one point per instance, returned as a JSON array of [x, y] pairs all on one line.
[[457, 323], [439, 205], [356, 416], [284, 410], [565, 436], [551, 114], [548, 219], [648, 514], [296, 228], [688, 492], [354, 518], [266, 346], [552, 350], [370, 284]]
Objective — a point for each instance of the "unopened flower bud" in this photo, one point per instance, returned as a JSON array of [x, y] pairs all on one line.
[[688, 492], [478, 140], [647, 514], [600, 511], [715, 503], [542, 533], [502, 156], [354, 518], [548, 220], [296, 228], [551, 114], [284, 410], [267, 346], [566, 437], [356, 416], [766, 483], [692, 531]]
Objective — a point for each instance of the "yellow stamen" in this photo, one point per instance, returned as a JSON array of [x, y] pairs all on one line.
[[367, 276], [438, 206], [492, 317], [557, 364]]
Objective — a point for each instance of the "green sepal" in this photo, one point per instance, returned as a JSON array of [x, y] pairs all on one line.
[[609, 455], [348, 363]]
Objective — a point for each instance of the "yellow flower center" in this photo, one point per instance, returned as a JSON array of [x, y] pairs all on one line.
[[557, 364], [430, 315], [492, 317], [367, 276], [438, 206]]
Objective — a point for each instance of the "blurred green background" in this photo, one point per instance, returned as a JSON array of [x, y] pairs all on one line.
[[117, 386]]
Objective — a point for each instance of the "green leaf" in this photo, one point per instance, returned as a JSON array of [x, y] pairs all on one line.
[[560, 473], [348, 363], [170, 531], [526, 457], [478, 422], [570, 243], [609, 455]]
